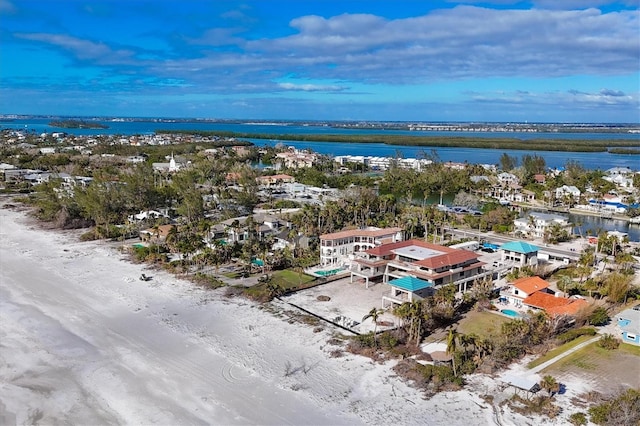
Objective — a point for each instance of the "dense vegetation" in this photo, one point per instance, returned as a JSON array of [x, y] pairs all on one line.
[[77, 124], [577, 145]]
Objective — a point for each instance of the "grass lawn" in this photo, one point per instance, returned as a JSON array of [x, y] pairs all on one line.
[[631, 349], [291, 279], [232, 275], [588, 358], [557, 351], [483, 324]]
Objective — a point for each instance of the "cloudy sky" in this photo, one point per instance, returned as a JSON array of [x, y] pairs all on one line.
[[414, 60]]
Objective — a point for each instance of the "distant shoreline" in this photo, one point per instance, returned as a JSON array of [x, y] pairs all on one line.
[[77, 124], [563, 145]]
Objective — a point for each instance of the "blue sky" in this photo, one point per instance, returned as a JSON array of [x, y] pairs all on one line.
[[408, 60]]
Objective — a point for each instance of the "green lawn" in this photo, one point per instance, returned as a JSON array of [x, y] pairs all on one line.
[[632, 349], [483, 324], [557, 351], [291, 279]]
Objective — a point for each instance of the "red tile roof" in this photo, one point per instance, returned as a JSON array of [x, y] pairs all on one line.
[[447, 259], [530, 284], [554, 305]]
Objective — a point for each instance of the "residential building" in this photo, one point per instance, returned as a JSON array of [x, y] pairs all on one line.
[[296, 159], [156, 234], [508, 179], [537, 224], [337, 248], [237, 229], [534, 293], [429, 265], [568, 191], [522, 288], [554, 304], [274, 180], [520, 253], [628, 321]]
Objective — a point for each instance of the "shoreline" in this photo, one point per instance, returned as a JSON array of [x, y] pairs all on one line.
[[84, 341]]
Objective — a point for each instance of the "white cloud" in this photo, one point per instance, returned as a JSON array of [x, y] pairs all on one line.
[[311, 87]]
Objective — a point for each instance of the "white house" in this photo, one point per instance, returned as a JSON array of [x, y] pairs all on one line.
[[337, 247], [536, 224], [628, 322], [568, 190], [507, 179]]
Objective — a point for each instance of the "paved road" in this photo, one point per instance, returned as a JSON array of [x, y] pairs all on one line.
[[495, 238]]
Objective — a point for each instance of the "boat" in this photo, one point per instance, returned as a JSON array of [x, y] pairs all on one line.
[[635, 220]]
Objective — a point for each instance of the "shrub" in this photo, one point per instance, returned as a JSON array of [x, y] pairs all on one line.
[[609, 342], [599, 316], [364, 340], [578, 419], [387, 340], [570, 335], [623, 409]]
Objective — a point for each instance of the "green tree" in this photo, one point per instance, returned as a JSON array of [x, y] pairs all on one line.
[[374, 314], [550, 384], [508, 162], [452, 346]]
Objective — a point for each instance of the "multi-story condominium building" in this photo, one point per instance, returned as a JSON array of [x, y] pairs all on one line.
[[413, 268], [337, 248]]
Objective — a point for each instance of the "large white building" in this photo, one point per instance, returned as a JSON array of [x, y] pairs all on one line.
[[336, 248], [536, 224]]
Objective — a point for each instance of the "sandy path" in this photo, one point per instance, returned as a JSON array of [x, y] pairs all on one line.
[[83, 341]]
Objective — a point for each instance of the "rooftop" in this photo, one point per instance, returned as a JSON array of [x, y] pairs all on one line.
[[410, 283], [530, 284], [519, 247]]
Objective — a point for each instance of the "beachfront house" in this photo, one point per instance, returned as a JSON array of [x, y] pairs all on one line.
[[429, 265], [522, 288], [628, 321], [519, 253], [238, 229], [554, 304], [533, 293], [156, 234], [537, 224], [337, 248]]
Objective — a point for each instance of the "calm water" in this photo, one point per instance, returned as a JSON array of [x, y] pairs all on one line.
[[598, 160], [483, 156]]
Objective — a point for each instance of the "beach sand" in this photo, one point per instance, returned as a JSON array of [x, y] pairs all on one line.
[[84, 341]]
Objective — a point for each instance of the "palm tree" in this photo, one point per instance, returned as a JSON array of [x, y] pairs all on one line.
[[451, 348], [550, 384], [374, 314]]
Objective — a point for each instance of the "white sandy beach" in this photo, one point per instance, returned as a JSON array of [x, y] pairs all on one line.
[[83, 341]]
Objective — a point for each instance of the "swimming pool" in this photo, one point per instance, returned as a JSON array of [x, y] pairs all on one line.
[[329, 273], [510, 313]]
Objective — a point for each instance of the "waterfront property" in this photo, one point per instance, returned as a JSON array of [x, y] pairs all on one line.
[[534, 294], [338, 248], [522, 288], [537, 224], [628, 322], [413, 267]]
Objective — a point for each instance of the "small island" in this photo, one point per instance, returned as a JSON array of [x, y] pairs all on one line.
[[77, 124]]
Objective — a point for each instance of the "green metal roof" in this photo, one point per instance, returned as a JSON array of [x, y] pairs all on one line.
[[410, 283], [519, 247]]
